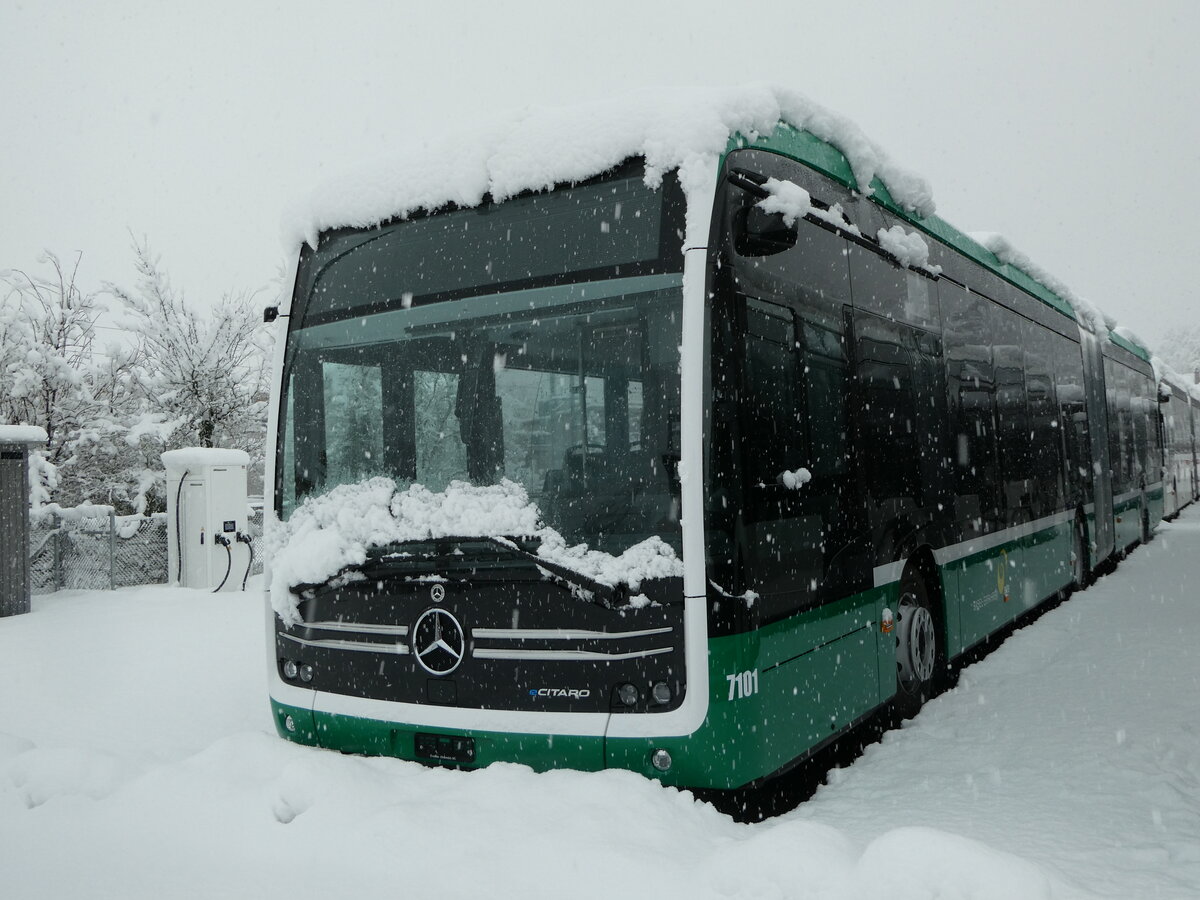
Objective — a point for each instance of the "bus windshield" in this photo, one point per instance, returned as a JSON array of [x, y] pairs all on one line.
[[443, 349]]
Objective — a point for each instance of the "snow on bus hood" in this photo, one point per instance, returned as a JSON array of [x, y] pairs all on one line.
[[534, 149], [328, 533]]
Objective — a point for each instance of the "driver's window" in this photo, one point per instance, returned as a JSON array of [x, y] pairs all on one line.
[[771, 405]]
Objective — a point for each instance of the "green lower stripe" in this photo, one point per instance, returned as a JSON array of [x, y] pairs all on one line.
[[351, 734]]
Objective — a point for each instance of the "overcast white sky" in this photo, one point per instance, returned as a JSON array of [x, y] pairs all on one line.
[[1070, 127]]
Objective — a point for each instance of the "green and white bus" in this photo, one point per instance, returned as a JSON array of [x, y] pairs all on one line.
[[853, 441]]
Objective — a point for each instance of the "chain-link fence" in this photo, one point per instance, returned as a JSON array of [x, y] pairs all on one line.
[[254, 527], [91, 549]]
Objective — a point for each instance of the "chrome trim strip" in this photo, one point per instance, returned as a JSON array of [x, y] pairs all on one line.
[[890, 572], [1127, 496], [560, 634], [565, 655], [336, 644], [360, 627], [962, 550]]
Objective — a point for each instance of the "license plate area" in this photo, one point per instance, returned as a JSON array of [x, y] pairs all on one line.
[[445, 747]]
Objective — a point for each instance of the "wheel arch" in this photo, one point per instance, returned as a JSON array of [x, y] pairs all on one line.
[[921, 563]]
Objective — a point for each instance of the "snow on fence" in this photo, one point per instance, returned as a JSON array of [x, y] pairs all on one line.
[[90, 548]]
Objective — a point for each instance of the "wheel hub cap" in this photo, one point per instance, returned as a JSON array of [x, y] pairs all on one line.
[[917, 648]]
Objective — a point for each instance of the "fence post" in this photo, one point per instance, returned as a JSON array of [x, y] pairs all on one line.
[[57, 551], [112, 550]]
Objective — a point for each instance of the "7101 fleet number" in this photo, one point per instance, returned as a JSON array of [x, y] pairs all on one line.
[[743, 684]]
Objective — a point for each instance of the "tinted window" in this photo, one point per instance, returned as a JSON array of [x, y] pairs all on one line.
[[1120, 428], [1012, 413], [779, 405], [972, 400], [1045, 438], [772, 411], [609, 227], [1072, 414], [888, 424], [892, 291]]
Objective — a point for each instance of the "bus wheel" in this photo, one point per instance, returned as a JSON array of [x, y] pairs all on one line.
[[1079, 556], [917, 650]]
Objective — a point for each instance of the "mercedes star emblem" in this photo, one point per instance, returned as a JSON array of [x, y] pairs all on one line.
[[438, 593], [438, 642]]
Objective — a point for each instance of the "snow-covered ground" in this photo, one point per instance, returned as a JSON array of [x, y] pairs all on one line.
[[137, 760]]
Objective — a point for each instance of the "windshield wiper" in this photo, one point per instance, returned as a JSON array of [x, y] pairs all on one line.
[[416, 560], [613, 596]]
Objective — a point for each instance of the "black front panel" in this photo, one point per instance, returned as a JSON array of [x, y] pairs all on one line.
[[506, 641]]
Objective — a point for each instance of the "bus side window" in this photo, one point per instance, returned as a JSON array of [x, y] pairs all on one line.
[[972, 402], [307, 405], [1120, 438], [1013, 430], [780, 392], [772, 411], [1072, 419], [888, 421], [1140, 392], [783, 541], [1046, 447]]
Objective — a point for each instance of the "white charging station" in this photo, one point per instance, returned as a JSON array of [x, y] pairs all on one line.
[[208, 544]]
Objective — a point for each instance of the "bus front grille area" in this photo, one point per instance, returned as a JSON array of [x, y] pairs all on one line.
[[511, 645]]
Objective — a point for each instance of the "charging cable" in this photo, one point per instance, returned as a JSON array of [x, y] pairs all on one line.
[[245, 539], [224, 542]]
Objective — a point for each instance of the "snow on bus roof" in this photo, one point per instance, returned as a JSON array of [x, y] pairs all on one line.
[[1127, 337], [534, 149], [1182, 383], [1002, 248], [684, 129]]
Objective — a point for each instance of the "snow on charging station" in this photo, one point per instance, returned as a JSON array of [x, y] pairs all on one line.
[[208, 543]]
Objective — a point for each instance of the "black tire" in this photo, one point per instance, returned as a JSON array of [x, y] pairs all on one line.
[[920, 655]]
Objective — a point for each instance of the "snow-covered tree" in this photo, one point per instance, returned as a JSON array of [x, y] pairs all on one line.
[[203, 373], [179, 376], [1180, 349], [53, 333], [53, 374]]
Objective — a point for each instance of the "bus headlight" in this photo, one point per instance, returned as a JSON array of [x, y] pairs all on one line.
[[306, 673], [627, 694], [290, 669], [661, 693], [661, 759]]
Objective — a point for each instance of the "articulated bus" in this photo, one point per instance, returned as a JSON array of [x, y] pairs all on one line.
[[861, 461], [1180, 412]]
